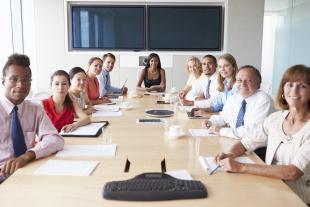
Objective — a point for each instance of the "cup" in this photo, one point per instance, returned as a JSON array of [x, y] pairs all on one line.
[[173, 90], [168, 97], [174, 130], [132, 93]]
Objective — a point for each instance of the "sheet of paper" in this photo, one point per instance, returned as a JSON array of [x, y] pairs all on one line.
[[87, 150], [106, 107], [209, 164], [180, 174], [66, 168], [200, 132], [107, 113], [87, 130]]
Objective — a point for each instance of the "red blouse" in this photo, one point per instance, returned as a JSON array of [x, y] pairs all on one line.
[[93, 88], [58, 119]]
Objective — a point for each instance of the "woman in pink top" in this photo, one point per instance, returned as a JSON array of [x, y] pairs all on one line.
[[92, 88]]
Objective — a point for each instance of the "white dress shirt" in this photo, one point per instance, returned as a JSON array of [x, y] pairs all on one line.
[[35, 123], [285, 150], [200, 86], [258, 107]]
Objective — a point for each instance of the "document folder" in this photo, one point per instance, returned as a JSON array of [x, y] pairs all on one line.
[[90, 130]]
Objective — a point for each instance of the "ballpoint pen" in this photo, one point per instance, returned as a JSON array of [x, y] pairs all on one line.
[[214, 170]]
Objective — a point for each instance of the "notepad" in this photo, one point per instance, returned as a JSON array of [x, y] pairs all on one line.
[[107, 107], [66, 168], [90, 130], [209, 165], [87, 150], [201, 132], [107, 113]]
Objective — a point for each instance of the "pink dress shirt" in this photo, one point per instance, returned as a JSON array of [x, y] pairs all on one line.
[[41, 136]]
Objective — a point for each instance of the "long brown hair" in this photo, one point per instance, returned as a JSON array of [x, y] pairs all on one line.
[[294, 73], [220, 80]]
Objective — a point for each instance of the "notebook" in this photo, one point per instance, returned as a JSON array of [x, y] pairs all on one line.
[[209, 165], [90, 130]]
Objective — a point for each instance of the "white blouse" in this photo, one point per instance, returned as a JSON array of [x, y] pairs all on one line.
[[285, 150]]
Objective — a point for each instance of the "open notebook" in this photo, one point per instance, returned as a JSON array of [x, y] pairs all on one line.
[[90, 130], [209, 165]]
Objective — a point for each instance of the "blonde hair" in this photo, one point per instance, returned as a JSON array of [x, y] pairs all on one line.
[[294, 73], [197, 62], [220, 80]]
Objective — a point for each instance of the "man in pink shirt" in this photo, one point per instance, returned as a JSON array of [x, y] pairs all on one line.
[[35, 134]]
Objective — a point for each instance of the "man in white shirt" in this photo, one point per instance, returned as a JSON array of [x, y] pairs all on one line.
[[245, 111], [204, 91]]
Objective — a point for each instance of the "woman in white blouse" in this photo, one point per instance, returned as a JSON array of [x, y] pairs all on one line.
[[194, 69], [286, 134]]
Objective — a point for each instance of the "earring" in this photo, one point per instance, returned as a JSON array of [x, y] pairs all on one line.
[[282, 96]]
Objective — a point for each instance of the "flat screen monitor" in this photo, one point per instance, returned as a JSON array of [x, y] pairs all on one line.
[[184, 28], [107, 27]]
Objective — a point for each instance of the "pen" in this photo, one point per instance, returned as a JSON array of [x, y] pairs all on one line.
[[215, 169]]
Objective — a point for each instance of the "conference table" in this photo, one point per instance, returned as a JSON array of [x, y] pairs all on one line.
[[145, 146]]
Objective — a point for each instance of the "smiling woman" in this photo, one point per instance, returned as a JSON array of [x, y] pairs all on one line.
[[286, 134]]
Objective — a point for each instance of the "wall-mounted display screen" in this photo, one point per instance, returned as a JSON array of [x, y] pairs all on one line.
[[108, 27], [184, 27], [145, 27]]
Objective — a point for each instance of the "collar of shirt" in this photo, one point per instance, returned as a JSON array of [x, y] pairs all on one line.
[[105, 72], [249, 99], [8, 105]]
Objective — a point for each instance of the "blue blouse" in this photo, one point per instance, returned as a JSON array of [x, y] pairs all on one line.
[[223, 96]]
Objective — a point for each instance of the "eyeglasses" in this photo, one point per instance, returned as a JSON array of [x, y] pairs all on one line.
[[14, 80]]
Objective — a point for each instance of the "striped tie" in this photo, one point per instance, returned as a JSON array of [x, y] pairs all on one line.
[[240, 120]]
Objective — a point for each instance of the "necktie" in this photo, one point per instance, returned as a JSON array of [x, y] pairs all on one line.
[[240, 121], [208, 89], [18, 139]]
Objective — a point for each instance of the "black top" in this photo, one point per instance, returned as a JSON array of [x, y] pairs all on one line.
[[148, 83]]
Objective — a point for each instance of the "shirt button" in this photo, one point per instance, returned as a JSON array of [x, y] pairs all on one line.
[[308, 183]]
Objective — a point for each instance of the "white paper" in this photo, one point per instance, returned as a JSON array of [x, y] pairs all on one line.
[[209, 164], [106, 107], [66, 168], [87, 130], [107, 113], [87, 150], [200, 132], [180, 174]]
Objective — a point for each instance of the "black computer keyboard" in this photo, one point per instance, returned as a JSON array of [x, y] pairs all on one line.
[[154, 187]]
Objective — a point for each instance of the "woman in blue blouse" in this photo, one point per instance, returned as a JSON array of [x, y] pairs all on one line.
[[227, 69]]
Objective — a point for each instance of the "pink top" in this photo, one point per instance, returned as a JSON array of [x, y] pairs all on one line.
[[93, 88], [34, 122]]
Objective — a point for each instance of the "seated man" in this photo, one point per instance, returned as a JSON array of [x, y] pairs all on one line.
[[245, 111], [203, 92], [105, 86], [22, 120]]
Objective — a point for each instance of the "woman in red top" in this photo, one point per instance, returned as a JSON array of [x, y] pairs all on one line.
[[92, 86], [60, 108]]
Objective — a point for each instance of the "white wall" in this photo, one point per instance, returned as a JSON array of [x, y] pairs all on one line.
[[243, 37], [6, 34], [287, 37]]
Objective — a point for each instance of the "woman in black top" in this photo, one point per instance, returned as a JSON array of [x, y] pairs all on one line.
[[152, 75]]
